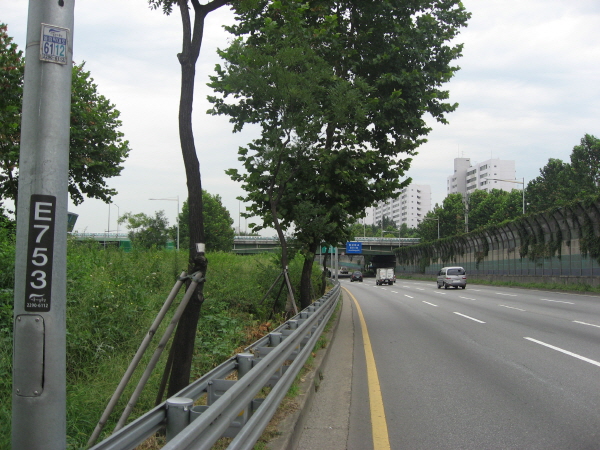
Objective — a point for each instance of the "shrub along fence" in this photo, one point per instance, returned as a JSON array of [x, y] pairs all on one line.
[[561, 245]]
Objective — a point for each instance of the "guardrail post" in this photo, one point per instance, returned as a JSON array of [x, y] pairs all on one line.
[[178, 415], [274, 339], [293, 324], [244, 361]]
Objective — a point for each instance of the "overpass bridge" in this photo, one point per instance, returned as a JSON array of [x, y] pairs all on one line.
[[370, 245], [258, 244]]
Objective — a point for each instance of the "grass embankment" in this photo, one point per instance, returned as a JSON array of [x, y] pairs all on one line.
[[112, 299]]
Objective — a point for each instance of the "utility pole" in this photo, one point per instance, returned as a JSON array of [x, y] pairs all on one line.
[[39, 360]]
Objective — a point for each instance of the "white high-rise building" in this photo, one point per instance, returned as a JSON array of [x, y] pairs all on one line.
[[486, 175], [409, 207]]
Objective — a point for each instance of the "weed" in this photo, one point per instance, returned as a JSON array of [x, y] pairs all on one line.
[[112, 298]]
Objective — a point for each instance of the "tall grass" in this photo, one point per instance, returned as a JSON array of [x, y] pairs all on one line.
[[112, 299]]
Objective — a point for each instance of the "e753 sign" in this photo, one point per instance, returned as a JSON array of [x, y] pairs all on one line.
[[40, 249]]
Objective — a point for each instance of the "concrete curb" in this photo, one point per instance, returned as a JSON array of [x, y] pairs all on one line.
[[291, 427]]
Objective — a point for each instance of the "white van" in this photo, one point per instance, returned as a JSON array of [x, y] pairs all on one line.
[[452, 276]]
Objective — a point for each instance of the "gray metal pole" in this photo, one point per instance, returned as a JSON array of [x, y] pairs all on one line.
[[523, 195], [336, 263], [39, 358]]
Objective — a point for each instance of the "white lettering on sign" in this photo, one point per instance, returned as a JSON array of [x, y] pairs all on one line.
[[40, 250]]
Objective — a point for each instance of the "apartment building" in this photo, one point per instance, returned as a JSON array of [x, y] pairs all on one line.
[[409, 207], [485, 175]]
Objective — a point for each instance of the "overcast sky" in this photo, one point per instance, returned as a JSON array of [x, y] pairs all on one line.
[[528, 90]]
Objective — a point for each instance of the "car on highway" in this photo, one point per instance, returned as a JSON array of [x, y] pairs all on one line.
[[356, 276], [452, 276]]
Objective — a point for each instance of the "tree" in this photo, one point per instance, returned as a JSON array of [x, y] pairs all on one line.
[[183, 342], [96, 147], [387, 224], [217, 224], [339, 89], [146, 231], [585, 161], [12, 69], [481, 206], [560, 182], [451, 217], [406, 232], [552, 187]]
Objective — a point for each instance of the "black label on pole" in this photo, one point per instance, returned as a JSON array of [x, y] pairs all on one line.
[[40, 249]]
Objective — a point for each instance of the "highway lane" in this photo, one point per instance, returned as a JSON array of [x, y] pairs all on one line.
[[484, 367]]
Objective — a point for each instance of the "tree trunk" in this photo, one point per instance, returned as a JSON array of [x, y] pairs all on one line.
[[284, 259], [185, 336], [306, 279], [324, 273]]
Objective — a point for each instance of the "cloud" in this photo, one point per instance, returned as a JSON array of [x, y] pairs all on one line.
[[527, 90]]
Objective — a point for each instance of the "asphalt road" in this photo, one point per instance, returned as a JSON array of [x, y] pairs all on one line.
[[480, 368]]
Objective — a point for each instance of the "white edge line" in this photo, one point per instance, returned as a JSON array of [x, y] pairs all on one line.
[[430, 303], [476, 320], [585, 323], [566, 352], [556, 301], [512, 307]]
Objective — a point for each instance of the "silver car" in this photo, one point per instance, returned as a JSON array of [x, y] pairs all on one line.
[[452, 276]]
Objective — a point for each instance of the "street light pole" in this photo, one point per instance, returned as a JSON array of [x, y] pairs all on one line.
[[172, 199], [118, 216]]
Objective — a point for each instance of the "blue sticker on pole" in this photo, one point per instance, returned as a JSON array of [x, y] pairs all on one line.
[[354, 248], [40, 251]]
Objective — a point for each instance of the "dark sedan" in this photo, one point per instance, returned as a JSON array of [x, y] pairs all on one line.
[[356, 276]]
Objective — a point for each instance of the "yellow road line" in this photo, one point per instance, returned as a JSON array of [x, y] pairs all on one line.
[[381, 440]]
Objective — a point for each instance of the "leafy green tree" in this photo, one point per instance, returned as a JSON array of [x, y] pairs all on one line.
[[11, 87], [147, 231], [339, 89], [387, 224], [560, 182], [96, 147], [451, 217], [554, 185], [512, 207], [357, 229], [477, 212], [217, 224], [406, 232], [585, 161]]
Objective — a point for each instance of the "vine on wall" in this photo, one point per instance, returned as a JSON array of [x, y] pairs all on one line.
[[534, 242]]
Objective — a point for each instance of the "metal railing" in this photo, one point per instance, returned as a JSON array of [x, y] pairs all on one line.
[[387, 239], [232, 408]]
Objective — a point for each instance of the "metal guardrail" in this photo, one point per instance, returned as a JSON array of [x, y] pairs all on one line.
[[232, 408], [255, 238], [106, 235], [387, 239]]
